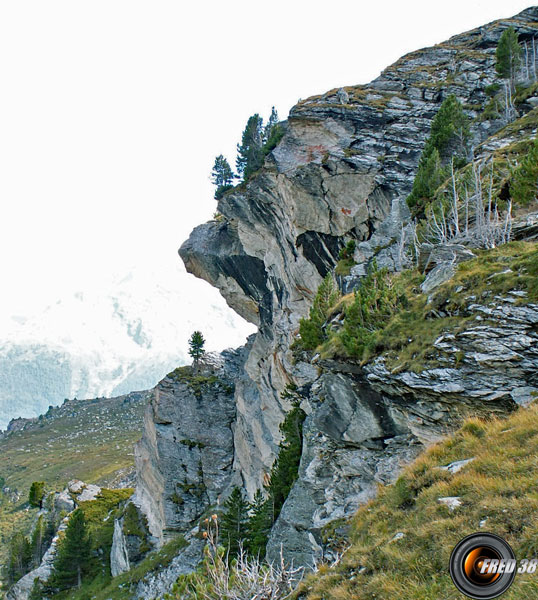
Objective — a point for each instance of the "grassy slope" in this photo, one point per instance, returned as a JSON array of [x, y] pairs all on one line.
[[91, 440], [499, 486], [407, 338]]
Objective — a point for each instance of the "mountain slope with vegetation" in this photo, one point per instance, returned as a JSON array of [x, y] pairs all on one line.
[[82, 439], [384, 242], [400, 543]]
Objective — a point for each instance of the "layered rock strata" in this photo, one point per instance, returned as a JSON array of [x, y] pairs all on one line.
[[341, 172]]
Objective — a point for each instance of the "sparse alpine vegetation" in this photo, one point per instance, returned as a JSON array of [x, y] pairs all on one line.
[[401, 541], [389, 313]]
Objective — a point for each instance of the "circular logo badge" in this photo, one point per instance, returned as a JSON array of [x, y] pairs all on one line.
[[482, 566]]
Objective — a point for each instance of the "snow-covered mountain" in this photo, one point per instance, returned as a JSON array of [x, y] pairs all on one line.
[[122, 337]]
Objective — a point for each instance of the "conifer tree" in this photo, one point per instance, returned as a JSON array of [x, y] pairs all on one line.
[[19, 557], [448, 139], [222, 176], [37, 493], [272, 133], [272, 122], [259, 525], [427, 180], [196, 348], [285, 469], [39, 536], [73, 553], [524, 181], [311, 329], [450, 129], [36, 593], [375, 301], [233, 524], [508, 55], [250, 152]]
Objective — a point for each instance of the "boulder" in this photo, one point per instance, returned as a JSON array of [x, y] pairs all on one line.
[[432, 255]]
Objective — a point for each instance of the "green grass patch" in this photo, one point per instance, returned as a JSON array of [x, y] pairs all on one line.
[[99, 515], [343, 267], [198, 382], [90, 440]]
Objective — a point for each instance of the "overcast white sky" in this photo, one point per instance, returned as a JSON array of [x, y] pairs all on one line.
[[111, 114]]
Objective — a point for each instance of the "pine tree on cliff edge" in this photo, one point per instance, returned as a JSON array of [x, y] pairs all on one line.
[[222, 176], [250, 152], [508, 56], [196, 348]]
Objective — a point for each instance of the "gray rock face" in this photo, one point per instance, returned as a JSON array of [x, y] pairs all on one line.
[[340, 173], [119, 554], [432, 255], [63, 501], [486, 368], [365, 423], [353, 439], [160, 582], [184, 459], [437, 276], [457, 466]]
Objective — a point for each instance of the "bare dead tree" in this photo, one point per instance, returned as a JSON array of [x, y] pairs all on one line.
[[476, 219], [527, 72], [243, 578], [534, 58], [408, 238], [454, 207]]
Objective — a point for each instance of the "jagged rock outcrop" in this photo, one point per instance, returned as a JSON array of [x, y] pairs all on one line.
[[119, 553], [366, 422], [341, 172], [353, 440], [336, 175], [184, 459], [490, 365], [160, 582]]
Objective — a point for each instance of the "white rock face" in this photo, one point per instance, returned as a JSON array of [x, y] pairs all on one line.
[[452, 502], [90, 492], [457, 466], [63, 501]]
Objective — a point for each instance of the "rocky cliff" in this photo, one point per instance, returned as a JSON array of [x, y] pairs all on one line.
[[341, 172]]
